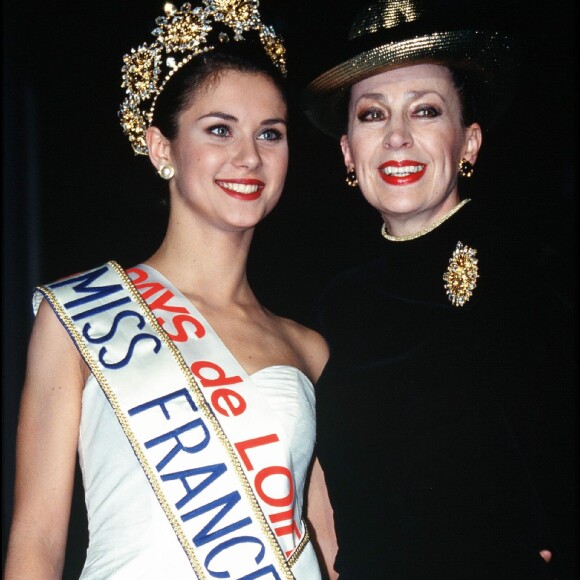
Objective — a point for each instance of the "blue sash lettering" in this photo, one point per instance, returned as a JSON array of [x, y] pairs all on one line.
[[101, 308], [174, 434], [214, 472], [113, 338], [162, 403], [111, 333], [134, 340], [228, 544], [228, 502], [83, 286]]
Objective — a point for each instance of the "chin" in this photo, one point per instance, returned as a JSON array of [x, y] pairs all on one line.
[[245, 222], [400, 204]]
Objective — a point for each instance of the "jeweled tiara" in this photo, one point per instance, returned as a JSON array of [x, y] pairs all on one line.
[[182, 34]]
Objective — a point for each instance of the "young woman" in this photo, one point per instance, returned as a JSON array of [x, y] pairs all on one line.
[[190, 404]]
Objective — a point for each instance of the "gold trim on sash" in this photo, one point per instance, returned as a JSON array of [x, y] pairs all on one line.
[[200, 400], [283, 564]]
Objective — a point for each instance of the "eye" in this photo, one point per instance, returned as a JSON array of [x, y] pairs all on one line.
[[270, 135], [220, 130], [429, 111], [370, 115]]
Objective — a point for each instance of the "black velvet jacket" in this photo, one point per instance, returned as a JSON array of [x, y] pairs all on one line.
[[446, 433]]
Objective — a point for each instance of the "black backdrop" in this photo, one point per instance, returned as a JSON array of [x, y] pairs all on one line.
[[74, 194]]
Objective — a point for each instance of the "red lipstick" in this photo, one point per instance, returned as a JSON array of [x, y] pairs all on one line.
[[244, 189], [402, 172]]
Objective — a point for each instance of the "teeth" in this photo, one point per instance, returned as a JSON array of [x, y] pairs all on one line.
[[402, 171], [239, 187]]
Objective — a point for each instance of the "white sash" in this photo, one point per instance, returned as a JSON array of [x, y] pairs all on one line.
[[205, 438]]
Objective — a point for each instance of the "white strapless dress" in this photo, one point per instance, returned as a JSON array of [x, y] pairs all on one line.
[[129, 534]]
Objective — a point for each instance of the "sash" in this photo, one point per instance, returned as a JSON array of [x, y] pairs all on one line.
[[204, 436]]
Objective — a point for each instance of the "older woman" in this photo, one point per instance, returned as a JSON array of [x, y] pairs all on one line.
[[442, 420]]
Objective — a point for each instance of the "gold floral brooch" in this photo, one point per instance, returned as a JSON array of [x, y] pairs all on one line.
[[461, 275]]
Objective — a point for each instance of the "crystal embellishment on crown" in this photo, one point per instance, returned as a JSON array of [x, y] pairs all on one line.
[[180, 35], [461, 275]]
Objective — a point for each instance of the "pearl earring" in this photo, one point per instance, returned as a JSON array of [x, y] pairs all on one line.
[[166, 172]]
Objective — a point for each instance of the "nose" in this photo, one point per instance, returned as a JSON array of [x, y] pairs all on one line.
[[397, 133], [247, 155]]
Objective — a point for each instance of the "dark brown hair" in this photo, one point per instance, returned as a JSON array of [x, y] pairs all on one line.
[[243, 56]]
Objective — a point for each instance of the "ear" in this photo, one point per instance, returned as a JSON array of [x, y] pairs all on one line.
[[159, 147], [345, 146], [473, 138]]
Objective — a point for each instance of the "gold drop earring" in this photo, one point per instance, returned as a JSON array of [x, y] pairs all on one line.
[[466, 168], [351, 179]]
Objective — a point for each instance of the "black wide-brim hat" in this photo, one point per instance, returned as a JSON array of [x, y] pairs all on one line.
[[391, 34]]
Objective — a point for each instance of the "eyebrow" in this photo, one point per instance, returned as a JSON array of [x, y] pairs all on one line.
[[228, 117], [374, 96], [409, 95], [416, 94]]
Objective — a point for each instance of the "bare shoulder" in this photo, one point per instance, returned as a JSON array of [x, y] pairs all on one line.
[[309, 345], [51, 352], [53, 385], [47, 329]]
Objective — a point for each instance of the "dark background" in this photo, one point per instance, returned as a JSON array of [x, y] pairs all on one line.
[[74, 195]]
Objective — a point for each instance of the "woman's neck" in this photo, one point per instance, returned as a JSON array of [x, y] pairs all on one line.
[[207, 262], [412, 231]]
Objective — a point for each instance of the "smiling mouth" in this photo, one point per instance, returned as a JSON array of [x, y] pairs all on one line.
[[402, 171], [243, 188]]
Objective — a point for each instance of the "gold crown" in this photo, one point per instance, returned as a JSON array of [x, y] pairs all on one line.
[[181, 35]]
